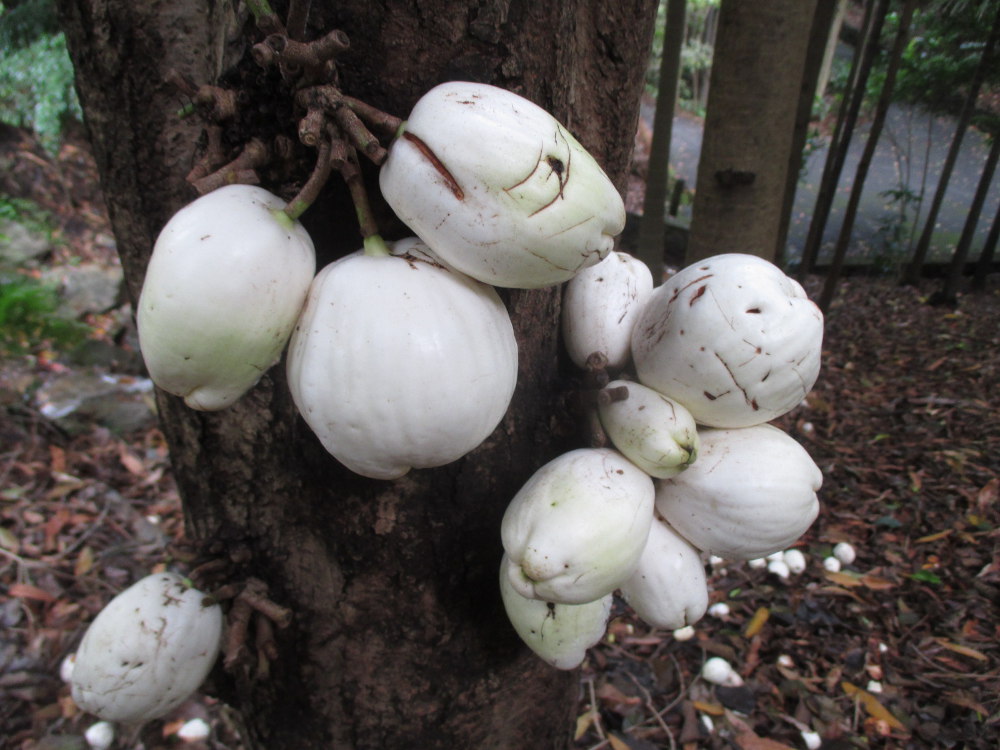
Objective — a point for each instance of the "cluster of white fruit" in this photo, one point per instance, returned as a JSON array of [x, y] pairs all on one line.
[[401, 356], [722, 348]]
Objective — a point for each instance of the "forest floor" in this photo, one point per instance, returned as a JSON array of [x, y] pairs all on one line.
[[900, 649]]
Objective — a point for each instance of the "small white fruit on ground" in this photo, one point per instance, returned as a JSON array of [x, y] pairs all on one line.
[[684, 634], [576, 530], [228, 276], [844, 552], [751, 493], [147, 651], [399, 362], [831, 564], [194, 730], [779, 568], [718, 671], [732, 338], [654, 432], [795, 561], [668, 588], [100, 736], [600, 306], [558, 633], [719, 609], [499, 189]]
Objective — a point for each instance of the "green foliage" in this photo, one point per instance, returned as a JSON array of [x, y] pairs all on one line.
[[29, 318], [36, 75], [696, 54], [25, 212], [896, 229], [25, 22], [29, 310], [946, 44]]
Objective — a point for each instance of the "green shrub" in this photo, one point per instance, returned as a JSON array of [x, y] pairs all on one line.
[[36, 75], [29, 320]]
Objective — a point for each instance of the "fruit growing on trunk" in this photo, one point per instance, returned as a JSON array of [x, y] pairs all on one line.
[[751, 493], [559, 633], [223, 288], [399, 362], [732, 339], [576, 529], [668, 588], [600, 306], [657, 434], [499, 189]]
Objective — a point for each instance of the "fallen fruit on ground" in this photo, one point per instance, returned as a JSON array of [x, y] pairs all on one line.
[[147, 651]]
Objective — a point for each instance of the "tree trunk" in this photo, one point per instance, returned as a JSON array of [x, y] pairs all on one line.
[[398, 638], [652, 229], [916, 265], [858, 185], [756, 75], [818, 36], [847, 116]]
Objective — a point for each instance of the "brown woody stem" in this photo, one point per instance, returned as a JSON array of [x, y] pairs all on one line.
[[373, 117], [310, 191], [255, 594], [298, 17], [241, 170], [216, 104], [351, 172], [211, 158]]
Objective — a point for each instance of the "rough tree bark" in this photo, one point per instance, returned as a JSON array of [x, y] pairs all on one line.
[[756, 76], [398, 638]]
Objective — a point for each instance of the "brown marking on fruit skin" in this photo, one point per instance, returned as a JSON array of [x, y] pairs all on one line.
[[424, 149], [678, 292]]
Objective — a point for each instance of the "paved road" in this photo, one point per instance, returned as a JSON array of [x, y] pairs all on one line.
[[910, 140]]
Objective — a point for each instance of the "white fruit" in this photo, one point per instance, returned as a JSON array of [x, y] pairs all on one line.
[[751, 493], [844, 552], [732, 338], [399, 362], [720, 672], [147, 651], [227, 278], [499, 189], [654, 432], [559, 633], [668, 588], [100, 736], [795, 561], [600, 306], [576, 529]]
